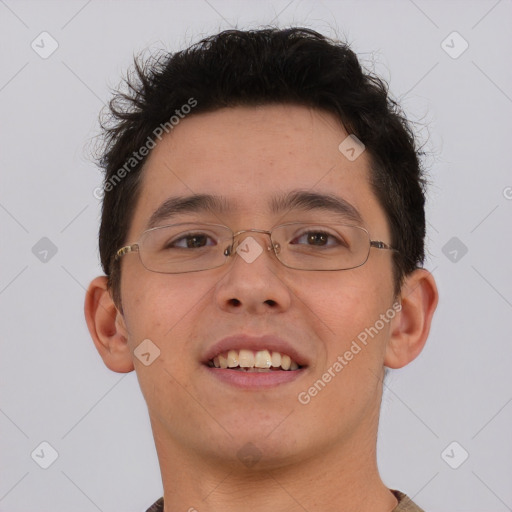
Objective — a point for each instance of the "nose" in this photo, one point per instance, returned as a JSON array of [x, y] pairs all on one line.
[[254, 282]]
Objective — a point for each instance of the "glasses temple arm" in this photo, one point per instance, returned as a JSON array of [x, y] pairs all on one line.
[[125, 250]]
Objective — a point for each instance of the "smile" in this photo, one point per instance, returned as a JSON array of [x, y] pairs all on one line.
[[262, 361]]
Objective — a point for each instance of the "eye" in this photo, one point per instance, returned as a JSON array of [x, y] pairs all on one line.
[[191, 241], [318, 239]]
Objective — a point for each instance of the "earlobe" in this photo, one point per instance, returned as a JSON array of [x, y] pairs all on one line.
[[419, 297], [107, 327]]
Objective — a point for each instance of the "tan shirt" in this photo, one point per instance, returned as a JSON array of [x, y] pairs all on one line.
[[405, 504]]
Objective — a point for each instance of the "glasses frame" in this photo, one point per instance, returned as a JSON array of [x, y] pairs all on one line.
[[229, 251]]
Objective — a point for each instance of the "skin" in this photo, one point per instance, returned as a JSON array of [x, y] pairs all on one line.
[[319, 456]]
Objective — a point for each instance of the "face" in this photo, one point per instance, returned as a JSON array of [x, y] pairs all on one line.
[[250, 157]]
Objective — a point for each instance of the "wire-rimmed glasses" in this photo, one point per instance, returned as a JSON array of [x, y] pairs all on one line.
[[193, 247]]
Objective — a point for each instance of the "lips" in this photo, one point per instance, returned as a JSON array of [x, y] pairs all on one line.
[[266, 353]]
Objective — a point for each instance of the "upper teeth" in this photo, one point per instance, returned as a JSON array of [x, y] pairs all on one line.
[[251, 359]]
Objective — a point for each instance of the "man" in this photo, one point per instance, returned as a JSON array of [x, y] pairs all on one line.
[[262, 238]]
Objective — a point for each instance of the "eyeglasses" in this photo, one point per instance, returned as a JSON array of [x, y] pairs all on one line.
[[193, 247]]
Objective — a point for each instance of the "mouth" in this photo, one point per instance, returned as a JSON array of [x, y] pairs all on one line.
[[254, 361]]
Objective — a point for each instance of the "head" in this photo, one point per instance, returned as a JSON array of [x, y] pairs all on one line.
[[253, 118], [238, 68]]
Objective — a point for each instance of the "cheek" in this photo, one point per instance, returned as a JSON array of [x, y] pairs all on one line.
[[346, 383], [156, 306], [162, 308], [346, 307]]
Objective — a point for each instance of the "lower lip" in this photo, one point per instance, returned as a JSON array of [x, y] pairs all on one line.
[[254, 380]]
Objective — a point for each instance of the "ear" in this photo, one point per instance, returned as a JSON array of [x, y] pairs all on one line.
[[411, 325], [107, 327]]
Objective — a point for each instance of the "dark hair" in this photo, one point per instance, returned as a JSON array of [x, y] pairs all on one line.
[[258, 67]]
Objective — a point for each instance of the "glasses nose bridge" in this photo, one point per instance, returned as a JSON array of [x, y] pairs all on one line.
[[237, 240]]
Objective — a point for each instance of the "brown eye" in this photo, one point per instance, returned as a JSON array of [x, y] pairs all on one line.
[[192, 241], [317, 238], [196, 241]]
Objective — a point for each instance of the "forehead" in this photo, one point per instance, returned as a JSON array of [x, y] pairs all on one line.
[[251, 155]]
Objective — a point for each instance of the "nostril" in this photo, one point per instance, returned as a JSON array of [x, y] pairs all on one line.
[[234, 302], [271, 302]]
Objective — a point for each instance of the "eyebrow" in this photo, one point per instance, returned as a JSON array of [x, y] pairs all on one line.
[[282, 204], [308, 201], [196, 203]]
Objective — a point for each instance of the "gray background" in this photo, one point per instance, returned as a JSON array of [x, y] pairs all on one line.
[[54, 387]]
